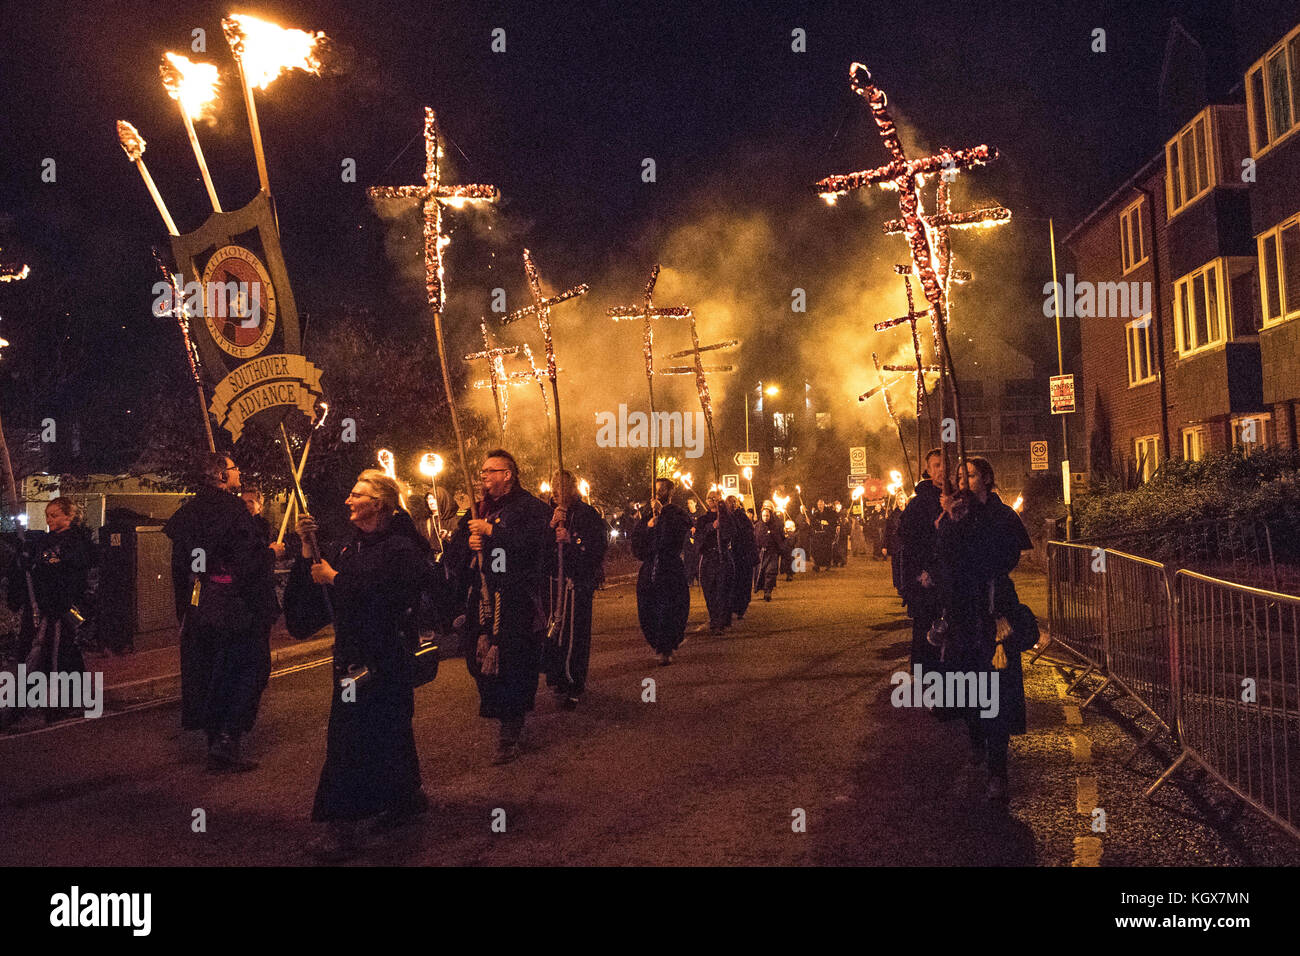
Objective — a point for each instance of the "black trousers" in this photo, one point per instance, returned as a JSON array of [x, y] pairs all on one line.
[[567, 660], [715, 582], [221, 678]]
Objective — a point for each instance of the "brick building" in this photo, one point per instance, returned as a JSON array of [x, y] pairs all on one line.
[[1181, 276]]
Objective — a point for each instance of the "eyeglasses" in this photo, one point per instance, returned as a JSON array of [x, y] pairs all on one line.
[[494, 471], [359, 494]]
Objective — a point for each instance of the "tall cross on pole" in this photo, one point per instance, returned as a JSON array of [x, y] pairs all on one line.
[[648, 313], [433, 194], [541, 310], [907, 176], [700, 370], [536, 376], [496, 375], [889, 409]]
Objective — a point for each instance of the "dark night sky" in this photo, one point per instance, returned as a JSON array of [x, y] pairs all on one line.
[[560, 123]]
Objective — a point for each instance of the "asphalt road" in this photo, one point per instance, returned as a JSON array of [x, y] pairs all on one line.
[[789, 712]]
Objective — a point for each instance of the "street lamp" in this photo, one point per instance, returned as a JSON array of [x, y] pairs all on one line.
[[431, 467]]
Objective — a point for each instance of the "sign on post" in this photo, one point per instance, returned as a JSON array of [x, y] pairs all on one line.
[[858, 460], [730, 485], [1062, 391], [1038, 455], [746, 459]]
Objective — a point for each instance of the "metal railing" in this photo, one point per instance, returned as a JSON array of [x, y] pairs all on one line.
[[1216, 663]]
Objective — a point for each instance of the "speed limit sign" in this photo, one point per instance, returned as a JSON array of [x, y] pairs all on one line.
[[1038, 455]]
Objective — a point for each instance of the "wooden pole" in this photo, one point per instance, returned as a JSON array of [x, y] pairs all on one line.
[[198, 154]]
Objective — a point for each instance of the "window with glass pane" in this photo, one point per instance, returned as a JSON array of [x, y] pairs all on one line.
[[1125, 240], [1294, 52], [1279, 98], [1198, 311], [1185, 317], [1175, 189], [1188, 167], [1269, 274], [1259, 108], [1291, 269], [1139, 236], [1202, 157], [1212, 304]]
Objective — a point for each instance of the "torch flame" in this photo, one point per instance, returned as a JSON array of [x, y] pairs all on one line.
[[193, 85], [544, 487], [130, 139], [858, 492], [267, 50], [1019, 503], [431, 465], [324, 411], [781, 501], [584, 488], [387, 463]]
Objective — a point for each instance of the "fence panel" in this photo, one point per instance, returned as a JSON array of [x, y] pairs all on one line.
[[1239, 681], [1077, 601], [1139, 633]]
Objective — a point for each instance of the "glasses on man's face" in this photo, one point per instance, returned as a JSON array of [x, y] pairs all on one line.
[[493, 471], [361, 494]]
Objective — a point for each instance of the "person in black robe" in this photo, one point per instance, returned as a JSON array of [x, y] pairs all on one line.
[[224, 587], [822, 532], [840, 538], [372, 584], [713, 535], [499, 550], [978, 543], [663, 598], [744, 558], [585, 538], [252, 498], [916, 555], [769, 539], [52, 570], [893, 548], [691, 550]]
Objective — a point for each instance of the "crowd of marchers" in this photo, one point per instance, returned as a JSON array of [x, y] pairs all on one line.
[[955, 547]]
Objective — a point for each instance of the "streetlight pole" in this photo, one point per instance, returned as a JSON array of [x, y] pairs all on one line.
[[1060, 370]]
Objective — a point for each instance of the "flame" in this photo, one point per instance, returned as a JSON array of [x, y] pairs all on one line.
[[544, 487], [1019, 503], [584, 488], [858, 492], [387, 463], [896, 477], [431, 465], [781, 501], [748, 473], [267, 50], [324, 411], [193, 85], [685, 477]]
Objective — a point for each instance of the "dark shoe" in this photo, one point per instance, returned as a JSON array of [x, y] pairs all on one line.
[[665, 660], [767, 596], [336, 844], [223, 756], [506, 753], [569, 703], [392, 819]]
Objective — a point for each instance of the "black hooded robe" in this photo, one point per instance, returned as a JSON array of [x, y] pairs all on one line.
[[744, 556], [663, 598]]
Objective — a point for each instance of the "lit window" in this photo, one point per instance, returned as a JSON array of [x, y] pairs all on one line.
[[1141, 353], [1250, 432], [1189, 167], [1132, 237], [823, 420], [1279, 271], [1200, 311], [1273, 93], [1146, 454], [1196, 442]]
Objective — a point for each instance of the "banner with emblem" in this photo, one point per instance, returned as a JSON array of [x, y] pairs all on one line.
[[246, 323]]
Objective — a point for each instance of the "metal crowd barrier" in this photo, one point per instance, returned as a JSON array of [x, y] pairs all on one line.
[[1217, 664], [1239, 691]]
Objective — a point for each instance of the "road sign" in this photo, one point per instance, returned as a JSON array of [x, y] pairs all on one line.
[[858, 460], [1062, 391], [743, 458], [1038, 455], [730, 485]]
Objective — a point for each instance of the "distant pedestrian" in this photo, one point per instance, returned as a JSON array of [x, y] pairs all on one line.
[[823, 535], [663, 598], [371, 768], [713, 534], [744, 558], [769, 538]]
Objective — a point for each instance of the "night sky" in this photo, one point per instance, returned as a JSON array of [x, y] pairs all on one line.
[[736, 122]]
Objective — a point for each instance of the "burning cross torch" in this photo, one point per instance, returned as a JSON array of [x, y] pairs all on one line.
[[194, 87], [647, 313], [496, 375], [907, 177], [699, 370], [541, 310], [433, 194]]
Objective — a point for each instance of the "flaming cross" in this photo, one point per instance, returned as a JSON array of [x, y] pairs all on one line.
[[907, 177], [534, 374], [919, 371], [700, 370], [940, 224], [541, 309], [496, 374], [433, 194], [14, 273], [648, 313]]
